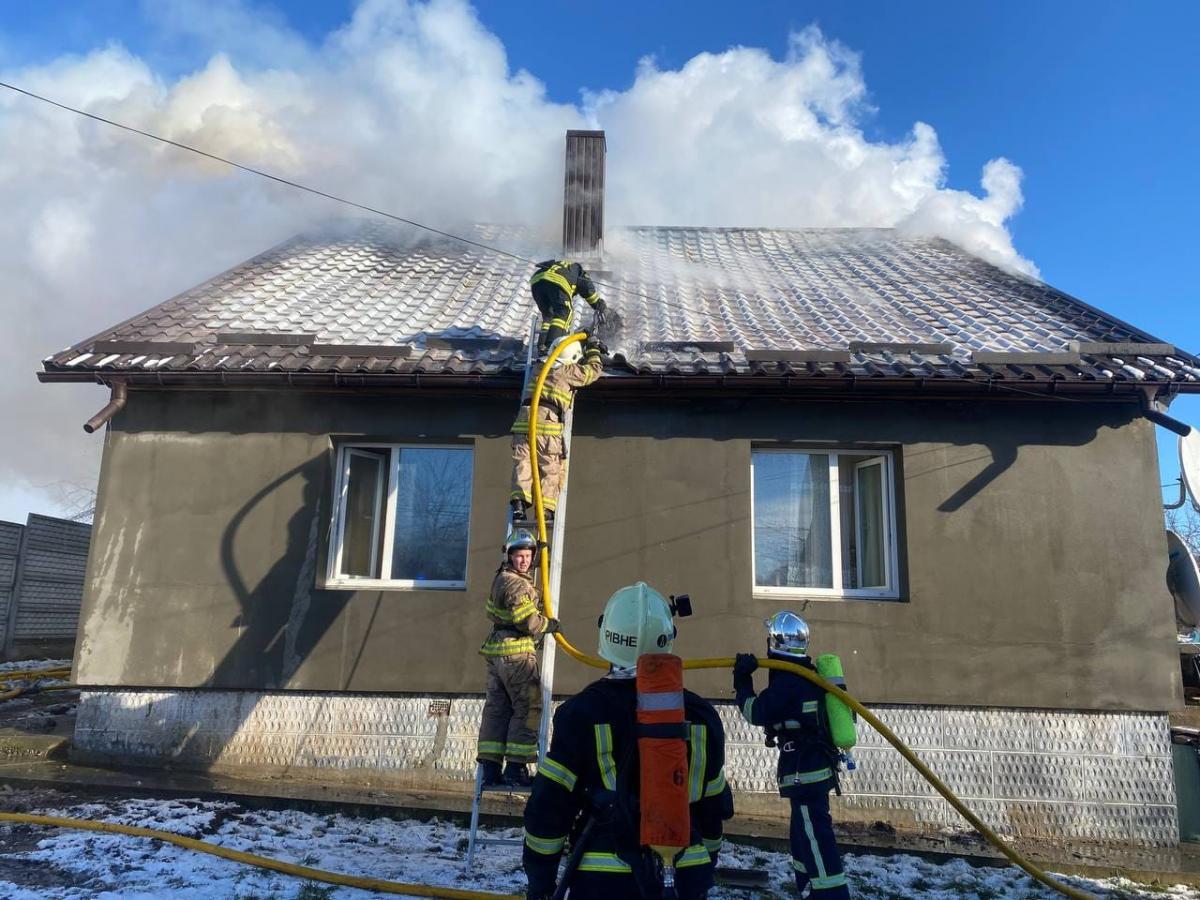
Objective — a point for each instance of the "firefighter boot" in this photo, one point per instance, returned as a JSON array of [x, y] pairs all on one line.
[[519, 513], [491, 773], [517, 774]]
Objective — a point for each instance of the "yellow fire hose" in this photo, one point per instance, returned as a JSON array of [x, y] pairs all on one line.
[[251, 859], [726, 662], [34, 675]]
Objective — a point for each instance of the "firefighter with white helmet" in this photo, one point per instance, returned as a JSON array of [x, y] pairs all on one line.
[[590, 773], [558, 393], [793, 711], [513, 708]]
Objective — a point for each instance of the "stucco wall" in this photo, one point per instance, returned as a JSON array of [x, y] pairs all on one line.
[[1033, 536]]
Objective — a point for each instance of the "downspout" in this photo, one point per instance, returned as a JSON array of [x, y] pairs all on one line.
[[115, 404], [1153, 409]]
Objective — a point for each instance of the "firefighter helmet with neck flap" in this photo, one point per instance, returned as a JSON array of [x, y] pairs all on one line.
[[572, 353], [636, 620]]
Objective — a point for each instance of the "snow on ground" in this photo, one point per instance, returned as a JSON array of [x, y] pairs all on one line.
[[71, 865], [32, 665]]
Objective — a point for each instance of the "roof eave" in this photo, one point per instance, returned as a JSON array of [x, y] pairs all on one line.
[[675, 383]]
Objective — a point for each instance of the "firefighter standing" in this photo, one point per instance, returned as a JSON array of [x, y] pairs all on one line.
[[513, 708], [591, 769], [555, 285], [792, 710], [558, 392]]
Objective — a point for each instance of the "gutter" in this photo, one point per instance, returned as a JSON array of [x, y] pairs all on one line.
[[615, 385], [116, 403]]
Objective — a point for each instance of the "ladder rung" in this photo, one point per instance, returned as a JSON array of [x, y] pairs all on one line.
[[504, 789]]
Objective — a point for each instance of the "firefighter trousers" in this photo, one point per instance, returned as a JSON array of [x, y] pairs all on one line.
[[550, 462], [556, 308], [512, 711], [815, 857]]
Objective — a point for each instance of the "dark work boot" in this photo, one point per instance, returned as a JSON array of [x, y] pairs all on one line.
[[518, 511], [552, 334], [549, 519], [491, 772], [517, 774]]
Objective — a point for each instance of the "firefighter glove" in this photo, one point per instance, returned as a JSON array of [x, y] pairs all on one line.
[[552, 626], [601, 310], [596, 345], [745, 664]]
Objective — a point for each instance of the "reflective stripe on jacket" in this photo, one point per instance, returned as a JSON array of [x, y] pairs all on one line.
[[791, 707], [558, 393], [568, 277], [515, 609]]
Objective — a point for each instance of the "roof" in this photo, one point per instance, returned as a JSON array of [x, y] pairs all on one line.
[[364, 299]]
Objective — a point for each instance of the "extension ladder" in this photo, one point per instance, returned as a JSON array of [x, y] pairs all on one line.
[[532, 369]]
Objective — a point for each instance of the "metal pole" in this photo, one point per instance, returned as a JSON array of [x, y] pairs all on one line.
[[477, 799], [14, 596]]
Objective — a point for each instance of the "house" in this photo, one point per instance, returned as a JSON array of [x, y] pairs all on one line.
[[948, 469]]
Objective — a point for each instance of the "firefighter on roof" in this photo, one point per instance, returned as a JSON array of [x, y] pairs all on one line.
[[793, 712], [558, 392], [513, 708], [587, 786], [555, 285]]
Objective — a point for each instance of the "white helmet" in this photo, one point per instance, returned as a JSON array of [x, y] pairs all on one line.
[[636, 620], [787, 635], [572, 353]]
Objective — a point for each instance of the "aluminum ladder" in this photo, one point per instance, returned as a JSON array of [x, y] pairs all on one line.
[[549, 646]]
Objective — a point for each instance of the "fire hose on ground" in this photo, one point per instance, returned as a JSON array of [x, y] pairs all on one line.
[[419, 890]]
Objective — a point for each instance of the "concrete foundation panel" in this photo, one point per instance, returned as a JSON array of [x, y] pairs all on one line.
[[1027, 773]]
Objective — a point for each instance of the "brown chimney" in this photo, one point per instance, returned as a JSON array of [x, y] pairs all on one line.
[[583, 196]]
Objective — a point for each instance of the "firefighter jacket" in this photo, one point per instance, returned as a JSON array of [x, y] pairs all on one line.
[[558, 393], [792, 710], [515, 608], [569, 277], [593, 751]]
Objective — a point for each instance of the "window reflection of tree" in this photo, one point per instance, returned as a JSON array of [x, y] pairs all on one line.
[[432, 514]]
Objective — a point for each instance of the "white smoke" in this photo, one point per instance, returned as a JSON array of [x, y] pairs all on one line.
[[411, 107], [739, 138]]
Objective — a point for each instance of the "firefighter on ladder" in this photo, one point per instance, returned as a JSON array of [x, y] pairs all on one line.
[[513, 709], [555, 285], [792, 710], [558, 393], [591, 770]]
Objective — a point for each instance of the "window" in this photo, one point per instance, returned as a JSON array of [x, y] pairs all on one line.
[[402, 516], [824, 523]]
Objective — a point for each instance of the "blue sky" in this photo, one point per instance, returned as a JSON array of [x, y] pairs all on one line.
[[1096, 102]]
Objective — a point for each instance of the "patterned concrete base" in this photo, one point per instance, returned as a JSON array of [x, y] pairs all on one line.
[[1028, 773]]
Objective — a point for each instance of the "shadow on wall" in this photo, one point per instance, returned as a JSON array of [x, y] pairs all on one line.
[[267, 654], [1000, 428]]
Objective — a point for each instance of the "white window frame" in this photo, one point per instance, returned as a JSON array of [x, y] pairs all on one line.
[[891, 590], [333, 576]]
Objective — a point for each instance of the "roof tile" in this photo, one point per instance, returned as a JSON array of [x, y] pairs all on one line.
[[364, 283]]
